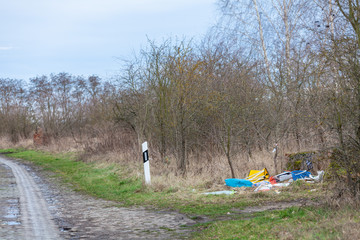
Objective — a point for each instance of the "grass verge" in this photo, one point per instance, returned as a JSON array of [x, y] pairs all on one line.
[[113, 182], [291, 223]]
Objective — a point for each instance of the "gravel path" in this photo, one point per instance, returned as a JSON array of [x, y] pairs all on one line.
[[34, 205], [35, 218], [9, 205]]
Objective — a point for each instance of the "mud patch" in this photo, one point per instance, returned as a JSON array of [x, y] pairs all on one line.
[[10, 215]]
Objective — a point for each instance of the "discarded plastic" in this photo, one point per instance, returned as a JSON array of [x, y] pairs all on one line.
[[264, 187], [260, 183], [314, 179], [268, 186], [258, 180], [234, 182], [220, 192], [319, 177], [280, 177], [258, 175], [300, 174]]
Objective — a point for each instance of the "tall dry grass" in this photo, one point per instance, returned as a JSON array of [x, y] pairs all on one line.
[[6, 143], [204, 170]]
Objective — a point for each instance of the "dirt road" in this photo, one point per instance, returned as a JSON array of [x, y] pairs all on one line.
[[35, 219], [33, 205]]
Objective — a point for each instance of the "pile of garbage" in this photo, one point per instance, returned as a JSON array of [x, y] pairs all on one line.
[[262, 181]]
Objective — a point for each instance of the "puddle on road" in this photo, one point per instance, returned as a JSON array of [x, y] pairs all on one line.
[[13, 201], [11, 226], [11, 223], [12, 213], [10, 202]]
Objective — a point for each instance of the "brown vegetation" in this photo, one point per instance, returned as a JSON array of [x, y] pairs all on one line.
[[283, 75]]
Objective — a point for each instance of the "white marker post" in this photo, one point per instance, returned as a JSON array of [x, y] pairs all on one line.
[[146, 162]]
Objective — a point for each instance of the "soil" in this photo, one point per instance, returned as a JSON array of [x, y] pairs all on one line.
[[72, 215], [24, 207]]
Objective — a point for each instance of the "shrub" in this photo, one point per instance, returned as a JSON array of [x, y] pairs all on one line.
[[345, 173]]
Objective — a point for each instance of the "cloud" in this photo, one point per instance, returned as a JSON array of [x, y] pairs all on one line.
[[5, 48]]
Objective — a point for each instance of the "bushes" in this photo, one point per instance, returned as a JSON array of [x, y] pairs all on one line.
[[345, 172], [296, 161]]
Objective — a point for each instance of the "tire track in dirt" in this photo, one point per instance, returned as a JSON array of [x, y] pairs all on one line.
[[74, 216], [36, 219]]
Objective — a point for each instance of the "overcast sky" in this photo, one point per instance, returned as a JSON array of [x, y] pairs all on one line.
[[84, 37]]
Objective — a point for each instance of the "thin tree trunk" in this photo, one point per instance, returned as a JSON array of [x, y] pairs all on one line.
[[231, 165], [261, 32]]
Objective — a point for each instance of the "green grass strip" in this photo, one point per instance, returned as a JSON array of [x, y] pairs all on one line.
[[100, 182], [113, 183], [291, 223]]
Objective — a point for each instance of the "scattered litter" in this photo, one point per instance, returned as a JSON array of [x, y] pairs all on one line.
[[268, 186], [281, 184], [281, 177], [258, 175], [264, 187], [300, 174], [309, 164], [220, 192], [260, 180], [261, 183], [234, 182], [313, 179], [319, 177]]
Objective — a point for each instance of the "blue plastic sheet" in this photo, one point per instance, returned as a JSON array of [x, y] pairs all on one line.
[[300, 174], [234, 182]]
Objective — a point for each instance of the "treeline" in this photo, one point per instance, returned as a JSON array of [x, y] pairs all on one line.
[[61, 105], [279, 72]]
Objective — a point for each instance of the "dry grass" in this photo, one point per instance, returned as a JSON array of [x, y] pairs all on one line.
[[62, 145], [350, 226], [204, 170], [204, 174], [344, 220], [23, 143]]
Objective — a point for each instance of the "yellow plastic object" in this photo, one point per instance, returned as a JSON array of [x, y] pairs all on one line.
[[258, 175]]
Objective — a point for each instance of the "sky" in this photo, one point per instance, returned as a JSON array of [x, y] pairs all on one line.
[[90, 37]]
